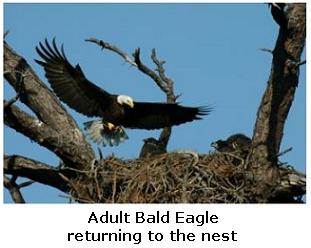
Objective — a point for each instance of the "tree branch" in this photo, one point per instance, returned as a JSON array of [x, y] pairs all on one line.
[[279, 94], [34, 170], [167, 83], [65, 144], [18, 93], [292, 183], [13, 189], [35, 94], [146, 70], [106, 45], [266, 50]]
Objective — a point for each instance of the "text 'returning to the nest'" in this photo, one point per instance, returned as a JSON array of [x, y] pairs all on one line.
[[139, 227]]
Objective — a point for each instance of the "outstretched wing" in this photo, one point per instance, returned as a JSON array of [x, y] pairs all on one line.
[[146, 115], [69, 83]]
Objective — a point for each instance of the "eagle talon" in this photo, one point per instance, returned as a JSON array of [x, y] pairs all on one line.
[[109, 125], [113, 128], [118, 129]]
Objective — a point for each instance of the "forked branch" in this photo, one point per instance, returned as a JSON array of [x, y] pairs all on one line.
[[14, 189], [34, 170]]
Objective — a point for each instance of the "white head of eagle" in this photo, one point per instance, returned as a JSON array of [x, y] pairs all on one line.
[[73, 88], [124, 99]]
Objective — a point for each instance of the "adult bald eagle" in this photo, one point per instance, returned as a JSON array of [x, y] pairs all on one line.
[[116, 111]]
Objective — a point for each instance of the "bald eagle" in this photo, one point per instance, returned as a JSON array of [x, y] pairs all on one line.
[[115, 111]]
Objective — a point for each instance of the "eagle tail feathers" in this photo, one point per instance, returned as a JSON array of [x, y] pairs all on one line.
[[98, 131]]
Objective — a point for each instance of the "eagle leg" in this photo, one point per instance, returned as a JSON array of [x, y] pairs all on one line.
[[109, 125]]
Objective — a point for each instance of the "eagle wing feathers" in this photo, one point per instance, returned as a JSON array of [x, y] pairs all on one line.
[[69, 83], [147, 115]]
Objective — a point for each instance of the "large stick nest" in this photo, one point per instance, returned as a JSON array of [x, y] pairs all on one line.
[[182, 177]]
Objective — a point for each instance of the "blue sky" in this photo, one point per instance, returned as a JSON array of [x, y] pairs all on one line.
[[211, 52]]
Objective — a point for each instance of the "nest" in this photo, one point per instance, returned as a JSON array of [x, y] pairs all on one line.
[[185, 177]]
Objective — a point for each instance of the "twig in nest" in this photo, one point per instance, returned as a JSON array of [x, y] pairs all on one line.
[[114, 189], [76, 170], [72, 185], [234, 156], [76, 199], [193, 154], [98, 188]]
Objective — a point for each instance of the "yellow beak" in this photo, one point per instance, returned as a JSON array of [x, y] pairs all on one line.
[[131, 104]]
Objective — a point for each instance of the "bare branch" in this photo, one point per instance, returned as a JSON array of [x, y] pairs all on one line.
[[34, 170], [13, 189], [66, 144], [165, 136], [266, 50], [165, 84], [301, 63], [168, 84], [6, 33], [25, 184], [143, 68], [284, 152], [106, 45], [170, 96]]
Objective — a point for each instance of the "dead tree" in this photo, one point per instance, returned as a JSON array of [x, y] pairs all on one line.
[[171, 177], [279, 95]]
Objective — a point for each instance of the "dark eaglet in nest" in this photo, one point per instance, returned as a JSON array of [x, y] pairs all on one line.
[[236, 142], [151, 148]]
